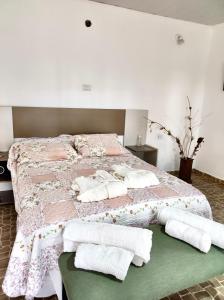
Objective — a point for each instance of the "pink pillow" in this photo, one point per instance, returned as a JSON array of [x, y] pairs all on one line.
[[39, 151], [98, 145]]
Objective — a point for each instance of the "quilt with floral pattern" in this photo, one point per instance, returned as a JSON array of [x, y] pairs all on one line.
[[45, 202]]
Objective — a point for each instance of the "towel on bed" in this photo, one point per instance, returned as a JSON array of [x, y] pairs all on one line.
[[133, 239], [191, 235], [104, 259], [214, 229], [135, 178], [97, 187]]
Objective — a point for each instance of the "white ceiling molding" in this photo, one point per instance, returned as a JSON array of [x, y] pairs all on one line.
[[208, 12]]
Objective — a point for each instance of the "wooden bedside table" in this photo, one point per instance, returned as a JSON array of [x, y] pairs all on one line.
[[6, 193], [145, 152]]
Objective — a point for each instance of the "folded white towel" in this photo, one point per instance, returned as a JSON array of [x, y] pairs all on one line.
[[191, 235], [104, 259], [214, 229], [99, 186], [135, 178], [136, 240]]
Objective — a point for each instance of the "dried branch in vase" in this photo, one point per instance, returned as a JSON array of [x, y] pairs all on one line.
[[185, 146], [197, 147]]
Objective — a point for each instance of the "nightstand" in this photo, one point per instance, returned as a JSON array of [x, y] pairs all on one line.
[[6, 193], [145, 152]]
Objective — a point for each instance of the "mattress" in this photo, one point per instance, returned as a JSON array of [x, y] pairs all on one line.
[[45, 201], [174, 266]]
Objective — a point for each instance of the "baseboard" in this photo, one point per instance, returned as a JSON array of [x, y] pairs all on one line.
[[215, 179], [205, 175]]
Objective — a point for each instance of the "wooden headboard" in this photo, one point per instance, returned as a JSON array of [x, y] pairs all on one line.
[[46, 122]]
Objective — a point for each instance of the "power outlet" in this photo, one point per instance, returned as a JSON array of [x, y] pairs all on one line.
[[87, 87], [159, 136]]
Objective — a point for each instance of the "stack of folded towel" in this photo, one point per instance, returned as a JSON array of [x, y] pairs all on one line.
[[193, 229], [135, 178], [100, 186], [107, 248], [104, 259]]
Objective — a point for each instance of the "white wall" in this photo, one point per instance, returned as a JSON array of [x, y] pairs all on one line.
[[211, 159], [6, 130], [130, 59], [135, 124]]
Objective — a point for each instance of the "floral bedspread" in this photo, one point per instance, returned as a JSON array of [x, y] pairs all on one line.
[[45, 201]]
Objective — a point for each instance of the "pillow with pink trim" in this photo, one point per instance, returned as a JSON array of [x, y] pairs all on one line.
[[37, 151], [98, 145]]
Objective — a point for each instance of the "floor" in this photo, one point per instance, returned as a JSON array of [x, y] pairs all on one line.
[[212, 289]]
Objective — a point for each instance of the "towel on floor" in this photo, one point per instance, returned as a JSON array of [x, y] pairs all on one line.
[[214, 229], [97, 187], [191, 235], [104, 259], [133, 239], [135, 178]]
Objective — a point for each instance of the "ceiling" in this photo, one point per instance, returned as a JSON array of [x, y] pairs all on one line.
[[208, 12]]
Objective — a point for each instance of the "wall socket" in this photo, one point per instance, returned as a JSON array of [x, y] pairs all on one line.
[[86, 87], [159, 136]]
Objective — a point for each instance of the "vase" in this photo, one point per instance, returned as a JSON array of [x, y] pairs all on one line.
[[186, 169]]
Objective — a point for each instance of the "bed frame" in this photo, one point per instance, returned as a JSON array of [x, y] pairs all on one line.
[[50, 122]]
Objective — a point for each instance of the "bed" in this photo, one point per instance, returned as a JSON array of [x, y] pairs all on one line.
[[45, 201]]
